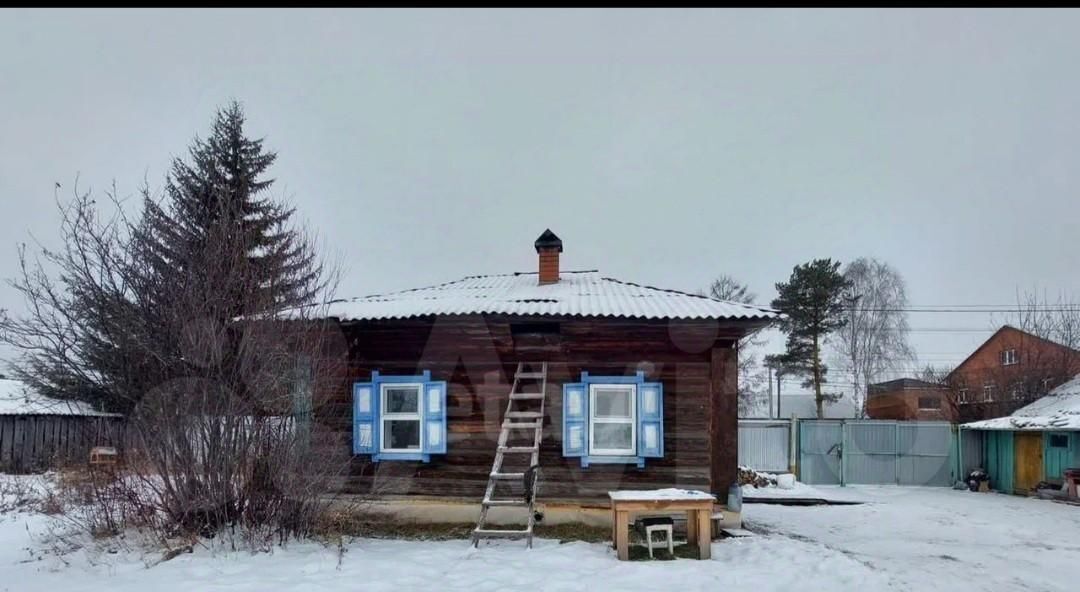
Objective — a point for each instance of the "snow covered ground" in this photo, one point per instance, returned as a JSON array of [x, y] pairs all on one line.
[[902, 539]]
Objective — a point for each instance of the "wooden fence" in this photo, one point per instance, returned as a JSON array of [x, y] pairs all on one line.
[[32, 443]]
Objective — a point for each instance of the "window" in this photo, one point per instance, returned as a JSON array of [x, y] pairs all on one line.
[[399, 417], [1016, 391], [1008, 357], [611, 419], [988, 391], [1059, 441], [1047, 383], [963, 396], [929, 403]]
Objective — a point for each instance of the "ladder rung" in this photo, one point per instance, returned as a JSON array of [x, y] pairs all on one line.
[[529, 425], [507, 475], [524, 415], [515, 503], [518, 449], [532, 375], [526, 396], [479, 532]]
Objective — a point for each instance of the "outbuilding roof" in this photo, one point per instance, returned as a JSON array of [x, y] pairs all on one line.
[[1058, 410], [17, 399], [577, 293]]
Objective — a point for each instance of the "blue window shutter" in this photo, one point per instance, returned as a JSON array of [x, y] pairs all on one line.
[[434, 405], [650, 418], [365, 418], [575, 419]]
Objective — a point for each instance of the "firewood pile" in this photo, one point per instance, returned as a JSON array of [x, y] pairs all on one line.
[[748, 476]]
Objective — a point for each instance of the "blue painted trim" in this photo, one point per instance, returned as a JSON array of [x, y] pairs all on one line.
[[439, 417], [582, 420], [377, 380], [420, 456], [364, 418], [612, 460], [638, 379]]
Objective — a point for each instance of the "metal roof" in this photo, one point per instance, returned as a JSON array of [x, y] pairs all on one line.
[[578, 293], [1058, 410]]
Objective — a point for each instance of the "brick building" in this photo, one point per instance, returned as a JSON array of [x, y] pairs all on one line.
[[1009, 370], [909, 399]]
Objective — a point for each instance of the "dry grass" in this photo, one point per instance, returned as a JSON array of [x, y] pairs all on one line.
[[339, 524]]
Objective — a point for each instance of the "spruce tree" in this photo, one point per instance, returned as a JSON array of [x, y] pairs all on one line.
[[812, 302], [219, 230]]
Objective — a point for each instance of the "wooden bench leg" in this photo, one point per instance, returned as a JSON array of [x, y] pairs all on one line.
[[704, 533], [622, 535]]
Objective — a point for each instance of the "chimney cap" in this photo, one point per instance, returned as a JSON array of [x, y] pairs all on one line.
[[548, 240]]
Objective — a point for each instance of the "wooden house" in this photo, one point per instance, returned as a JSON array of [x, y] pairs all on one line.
[[1034, 444], [638, 388]]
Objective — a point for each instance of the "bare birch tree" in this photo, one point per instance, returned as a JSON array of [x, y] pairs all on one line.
[[874, 341]]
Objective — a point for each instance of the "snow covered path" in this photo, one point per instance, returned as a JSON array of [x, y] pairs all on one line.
[[941, 539], [904, 539]]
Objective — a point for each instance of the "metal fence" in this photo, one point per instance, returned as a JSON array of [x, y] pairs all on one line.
[[765, 445], [839, 452]]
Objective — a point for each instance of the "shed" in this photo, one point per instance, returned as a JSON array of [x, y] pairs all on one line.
[[1034, 444], [37, 432]]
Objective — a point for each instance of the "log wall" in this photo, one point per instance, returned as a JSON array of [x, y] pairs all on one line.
[[696, 361]]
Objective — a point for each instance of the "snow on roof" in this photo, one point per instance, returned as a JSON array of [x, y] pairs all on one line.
[[577, 293], [1058, 410], [17, 399]]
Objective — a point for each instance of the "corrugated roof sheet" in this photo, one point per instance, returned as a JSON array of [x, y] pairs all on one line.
[[17, 399], [581, 293], [1058, 410]]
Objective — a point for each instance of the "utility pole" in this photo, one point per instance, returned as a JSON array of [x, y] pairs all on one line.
[[778, 374], [852, 299], [770, 393]]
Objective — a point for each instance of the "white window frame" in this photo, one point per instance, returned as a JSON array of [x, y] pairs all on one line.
[[1008, 357], [385, 417], [988, 391], [963, 396], [593, 420]]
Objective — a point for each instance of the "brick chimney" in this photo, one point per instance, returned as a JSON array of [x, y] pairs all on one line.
[[548, 246]]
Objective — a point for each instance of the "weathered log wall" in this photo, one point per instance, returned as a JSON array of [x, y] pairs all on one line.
[[696, 361]]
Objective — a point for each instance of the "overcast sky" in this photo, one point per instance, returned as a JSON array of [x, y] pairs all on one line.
[[664, 147]]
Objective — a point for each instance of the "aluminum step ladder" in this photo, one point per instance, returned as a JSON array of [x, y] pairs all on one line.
[[517, 425]]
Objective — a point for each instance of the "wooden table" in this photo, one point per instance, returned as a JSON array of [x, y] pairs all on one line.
[[698, 506]]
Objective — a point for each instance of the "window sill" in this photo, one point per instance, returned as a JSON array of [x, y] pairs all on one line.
[[612, 460], [418, 456]]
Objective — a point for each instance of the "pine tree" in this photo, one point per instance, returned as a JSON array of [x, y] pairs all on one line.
[[812, 302]]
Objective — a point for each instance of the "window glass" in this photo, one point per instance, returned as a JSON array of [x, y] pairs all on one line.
[[1059, 441], [612, 402], [613, 436], [402, 399], [929, 403], [401, 434]]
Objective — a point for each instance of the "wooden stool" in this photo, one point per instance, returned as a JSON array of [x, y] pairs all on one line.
[[662, 524]]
